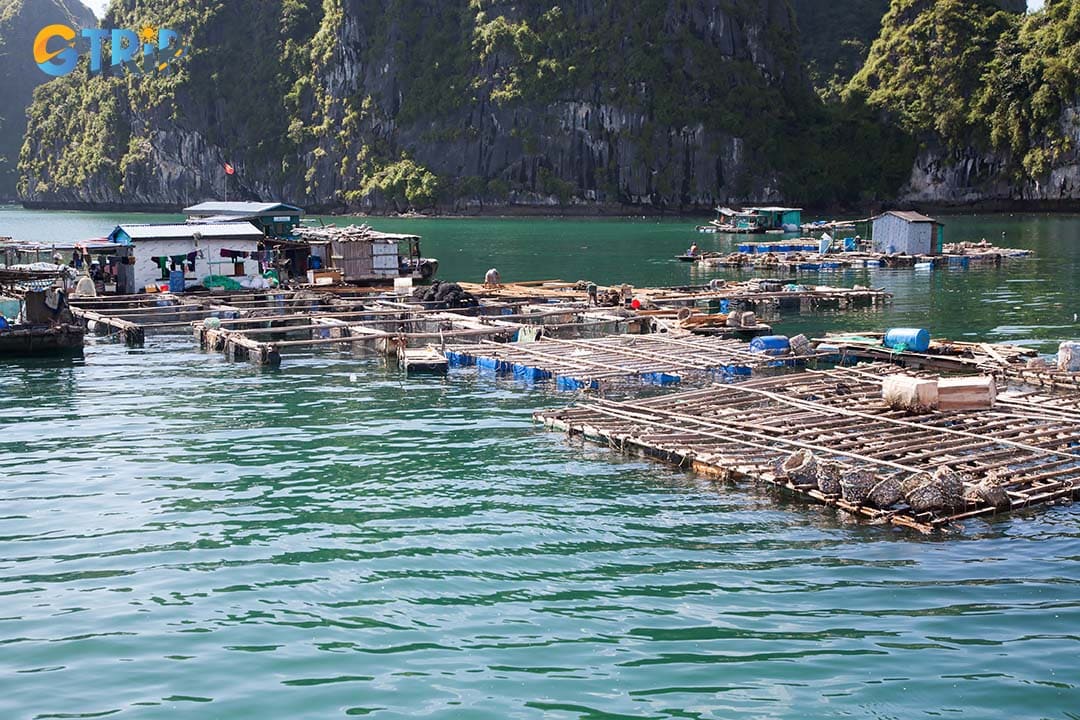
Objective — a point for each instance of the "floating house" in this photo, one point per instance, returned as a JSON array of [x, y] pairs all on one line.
[[273, 219], [778, 218], [360, 254], [180, 255], [911, 233]]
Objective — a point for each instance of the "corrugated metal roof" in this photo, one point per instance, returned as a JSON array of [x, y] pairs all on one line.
[[909, 215], [174, 232], [220, 219], [234, 209]]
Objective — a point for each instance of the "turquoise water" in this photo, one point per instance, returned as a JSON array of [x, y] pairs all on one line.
[[182, 537]]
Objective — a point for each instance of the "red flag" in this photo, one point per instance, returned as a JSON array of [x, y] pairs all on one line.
[[229, 169]]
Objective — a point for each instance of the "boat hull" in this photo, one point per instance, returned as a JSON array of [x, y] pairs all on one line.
[[38, 341]]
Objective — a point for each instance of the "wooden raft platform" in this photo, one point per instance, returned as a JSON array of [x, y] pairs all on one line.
[[595, 364], [762, 297], [745, 431], [942, 355], [802, 261], [389, 328]]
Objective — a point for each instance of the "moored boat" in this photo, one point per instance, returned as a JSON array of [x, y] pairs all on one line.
[[22, 341]]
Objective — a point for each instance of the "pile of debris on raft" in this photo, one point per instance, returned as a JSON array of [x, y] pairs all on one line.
[[445, 295]]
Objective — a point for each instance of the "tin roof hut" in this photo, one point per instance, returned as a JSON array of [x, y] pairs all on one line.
[[911, 233]]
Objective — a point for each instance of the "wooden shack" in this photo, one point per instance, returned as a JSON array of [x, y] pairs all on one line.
[[362, 254], [911, 233]]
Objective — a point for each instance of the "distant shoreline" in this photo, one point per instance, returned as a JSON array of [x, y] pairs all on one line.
[[596, 211]]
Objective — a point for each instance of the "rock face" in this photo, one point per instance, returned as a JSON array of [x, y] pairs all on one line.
[[979, 177], [385, 104], [20, 22], [466, 105], [992, 94]]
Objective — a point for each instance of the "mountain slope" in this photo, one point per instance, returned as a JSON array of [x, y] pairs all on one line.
[[391, 103], [20, 21], [992, 94]]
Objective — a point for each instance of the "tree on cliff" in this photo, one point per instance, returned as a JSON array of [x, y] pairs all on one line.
[[20, 21]]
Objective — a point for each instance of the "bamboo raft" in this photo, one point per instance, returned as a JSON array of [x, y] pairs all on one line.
[[942, 356], [764, 297], [259, 325], [1063, 386], [596, 364], [391, 328], [808, 261], [1026, 446]]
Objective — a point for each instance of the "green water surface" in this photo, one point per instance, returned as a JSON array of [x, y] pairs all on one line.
[[184, 537]]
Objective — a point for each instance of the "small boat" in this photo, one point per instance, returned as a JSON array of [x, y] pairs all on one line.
[[688, 258], [23, 341], [45, 326]]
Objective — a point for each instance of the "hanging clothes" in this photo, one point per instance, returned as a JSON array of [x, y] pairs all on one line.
[[53, 298]]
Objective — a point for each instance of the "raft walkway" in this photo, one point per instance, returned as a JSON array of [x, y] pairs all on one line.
[[764, 297], [941, 356], [1025, 446], [796, 260], [598, 363], [259, 325]]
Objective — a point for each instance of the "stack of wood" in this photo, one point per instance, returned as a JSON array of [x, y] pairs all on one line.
[[969, 393]]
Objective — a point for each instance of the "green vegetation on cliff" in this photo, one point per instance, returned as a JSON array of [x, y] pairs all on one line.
[[835, 38], [20, 21], [1033, 77], [389, 104], [978, 74]]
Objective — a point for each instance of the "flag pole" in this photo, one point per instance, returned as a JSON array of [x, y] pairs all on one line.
[[226, 178]]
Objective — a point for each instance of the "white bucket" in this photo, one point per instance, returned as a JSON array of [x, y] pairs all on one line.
[[403, 286]]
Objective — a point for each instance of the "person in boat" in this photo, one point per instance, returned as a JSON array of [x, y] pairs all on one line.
[[693, 251], [492, 278]]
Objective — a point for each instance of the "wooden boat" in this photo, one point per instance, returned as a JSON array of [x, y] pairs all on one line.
[[21, 341], [688, 258]]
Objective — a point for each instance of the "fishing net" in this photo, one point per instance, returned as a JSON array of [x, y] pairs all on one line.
[[445, 295]]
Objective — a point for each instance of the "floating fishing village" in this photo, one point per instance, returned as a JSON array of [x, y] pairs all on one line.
[[485, 359], [890, 425]]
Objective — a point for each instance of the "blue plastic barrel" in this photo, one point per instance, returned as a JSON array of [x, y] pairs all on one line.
[[771, 345], [746, 248], [849, 244], [176, 281], [914, 339]]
